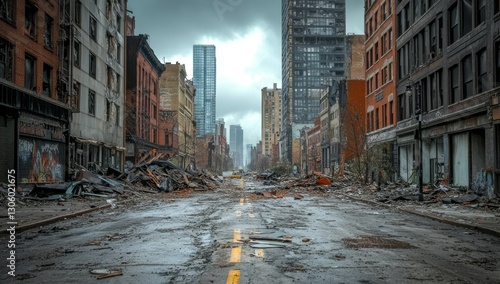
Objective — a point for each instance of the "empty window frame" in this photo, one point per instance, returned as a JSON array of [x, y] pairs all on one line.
[[78, 13], [6, 10], [6, 59], [47, 81], [92, 65], [29, 72], [91, 103], [93, 28], [49, 31], [76, 54], [30, 12]]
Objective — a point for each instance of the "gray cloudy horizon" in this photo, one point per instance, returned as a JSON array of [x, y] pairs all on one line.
[[247, 36]]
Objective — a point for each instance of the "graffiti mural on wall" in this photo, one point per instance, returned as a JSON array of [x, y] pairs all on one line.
[[41, 161]]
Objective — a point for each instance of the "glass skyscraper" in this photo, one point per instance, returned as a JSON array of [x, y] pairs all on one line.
[[313, 55], [204, 80]]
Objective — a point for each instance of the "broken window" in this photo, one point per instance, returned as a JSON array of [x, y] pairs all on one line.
[[47, 78], [6, 59], [92, 65], [76, 54], [6, 7], [30, 19], [29, 72], [91, 102], [112, 46], [49, 26], [93, 28]]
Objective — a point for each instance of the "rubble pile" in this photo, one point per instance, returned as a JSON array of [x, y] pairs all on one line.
[[151, 176]]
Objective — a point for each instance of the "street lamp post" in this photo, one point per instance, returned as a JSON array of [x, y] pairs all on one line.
[[418, 115]]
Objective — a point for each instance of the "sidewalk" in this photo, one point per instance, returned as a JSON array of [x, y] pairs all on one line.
[[473, 216]]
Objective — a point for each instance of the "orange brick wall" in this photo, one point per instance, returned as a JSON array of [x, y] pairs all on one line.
[[24, 43], [380, 93]]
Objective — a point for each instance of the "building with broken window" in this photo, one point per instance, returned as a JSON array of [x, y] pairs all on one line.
[[177, 124], [447, 82], [313, 54], [381, 99], [92, 50], [271, 122], [142, 100], [34, 107]]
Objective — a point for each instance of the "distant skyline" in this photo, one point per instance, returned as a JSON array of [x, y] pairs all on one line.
[[247, 35]]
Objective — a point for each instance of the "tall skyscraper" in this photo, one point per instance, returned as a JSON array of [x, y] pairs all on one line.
[[313, 55], [204, 80], [236, 145]]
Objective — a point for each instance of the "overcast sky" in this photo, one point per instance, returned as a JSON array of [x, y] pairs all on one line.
[[247, 36]]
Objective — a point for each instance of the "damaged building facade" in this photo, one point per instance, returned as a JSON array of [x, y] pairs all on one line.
[[177, 124], [381, 99], [142, 100], [92, 47], [34, 111], [271, 122], [448, 55]]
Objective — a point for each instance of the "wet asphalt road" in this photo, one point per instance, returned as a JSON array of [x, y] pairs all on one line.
[[195, 240]]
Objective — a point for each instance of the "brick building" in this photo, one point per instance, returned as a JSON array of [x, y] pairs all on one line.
[[381, 99], [34, 113], [142, 100]]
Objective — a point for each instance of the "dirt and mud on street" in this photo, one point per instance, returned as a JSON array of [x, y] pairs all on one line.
[[254, 231]]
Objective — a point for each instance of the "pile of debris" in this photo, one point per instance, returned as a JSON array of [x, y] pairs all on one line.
[[165, 176], [151, 176]]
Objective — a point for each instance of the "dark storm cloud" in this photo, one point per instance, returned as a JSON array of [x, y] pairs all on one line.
[[175, 25], [242, 69]]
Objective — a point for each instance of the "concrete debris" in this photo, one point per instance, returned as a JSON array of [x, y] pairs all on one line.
[[150, 176]]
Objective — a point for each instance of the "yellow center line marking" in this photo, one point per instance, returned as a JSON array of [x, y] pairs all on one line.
[[237, 235], [259, 253], [233, 277], [235, 254]]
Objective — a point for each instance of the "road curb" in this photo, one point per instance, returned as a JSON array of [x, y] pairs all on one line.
[[479, 228]]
